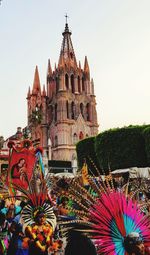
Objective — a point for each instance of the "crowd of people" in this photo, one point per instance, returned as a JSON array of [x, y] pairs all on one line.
[[84, 215], [26, 229]]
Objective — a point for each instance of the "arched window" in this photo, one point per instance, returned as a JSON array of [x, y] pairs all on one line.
[[55, 112], [82, 110], [72, 83], [81, 136], [50, 114], [83, 87], [67, 109], [79, 88], [57, 84], [75, 138], [72, 110], [88, 112], [56, 141], [66, 81]]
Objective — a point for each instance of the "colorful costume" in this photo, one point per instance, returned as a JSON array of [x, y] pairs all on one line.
[[37, 215], [110, 218], [113, 219], [40, 238], [38, 231]]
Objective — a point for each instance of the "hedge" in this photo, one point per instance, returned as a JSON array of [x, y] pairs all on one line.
[[117, 148], [146, 134], [121, 148]]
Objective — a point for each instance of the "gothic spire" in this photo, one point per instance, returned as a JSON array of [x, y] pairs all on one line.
[[49, 69], [67, 51], [29, 93], [79, 65], [44, 91], [36, 82], [86, 66]]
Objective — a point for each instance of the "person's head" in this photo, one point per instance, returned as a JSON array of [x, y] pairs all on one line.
[[41, 219], [39, 216], [134, 244], [21, 162], [15, 227], [79, 244], [11, 211], [64, 201]]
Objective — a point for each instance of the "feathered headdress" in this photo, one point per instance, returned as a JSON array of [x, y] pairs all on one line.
[[108, 217], [113, 218], [38, 202]]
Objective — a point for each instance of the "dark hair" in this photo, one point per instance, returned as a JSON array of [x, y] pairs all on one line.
[[22, 204], [79, 244], [17, 226], [131, 241], [21, 160]]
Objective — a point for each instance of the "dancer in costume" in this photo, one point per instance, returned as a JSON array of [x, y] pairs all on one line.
[[37, 215], [134, 244], [118, 225], [39, 218], [114, 221], [40, 233]]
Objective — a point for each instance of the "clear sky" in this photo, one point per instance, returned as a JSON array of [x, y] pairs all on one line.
[[115, 36]]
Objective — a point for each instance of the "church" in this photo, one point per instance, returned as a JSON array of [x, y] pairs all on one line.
[[63, 112]]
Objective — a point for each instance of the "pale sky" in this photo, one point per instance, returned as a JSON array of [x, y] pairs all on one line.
[[113, 34]]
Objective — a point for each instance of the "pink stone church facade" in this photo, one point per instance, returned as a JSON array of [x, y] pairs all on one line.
[[65, 111]]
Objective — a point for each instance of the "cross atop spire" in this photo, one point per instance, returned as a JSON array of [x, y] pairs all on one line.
[[66, 16]]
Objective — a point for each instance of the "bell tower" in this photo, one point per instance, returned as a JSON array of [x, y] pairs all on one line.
[[65, 112], [71, 102], [37, 121]]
